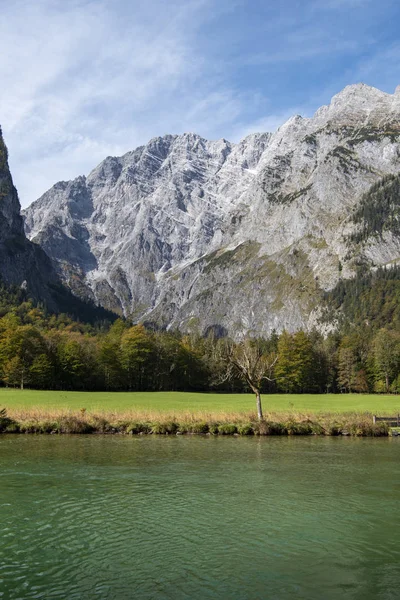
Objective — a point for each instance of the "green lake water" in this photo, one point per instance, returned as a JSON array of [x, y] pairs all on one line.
[[191, 518]]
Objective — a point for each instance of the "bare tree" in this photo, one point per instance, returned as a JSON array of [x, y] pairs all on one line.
[[249, 362]]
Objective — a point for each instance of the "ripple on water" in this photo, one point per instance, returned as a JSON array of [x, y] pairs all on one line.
[[101, 517]]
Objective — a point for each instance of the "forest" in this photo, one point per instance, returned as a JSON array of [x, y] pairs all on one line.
[[46, 351]]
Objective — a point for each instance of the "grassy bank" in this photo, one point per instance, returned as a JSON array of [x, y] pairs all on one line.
[[215, 423], [32, 411], [178, 402]]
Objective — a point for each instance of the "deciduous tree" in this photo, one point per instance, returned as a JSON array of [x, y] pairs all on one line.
[[247, 360]]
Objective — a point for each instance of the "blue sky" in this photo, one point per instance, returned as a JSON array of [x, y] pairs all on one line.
[[83, 79]]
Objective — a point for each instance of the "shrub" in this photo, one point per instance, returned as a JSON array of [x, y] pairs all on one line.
[[135, 428], [261, 428], [28, 427], [356, 429], [200, 427], [302, 428], [366, 429], [380, 429], [334, 429], [119, 427], [227, 429], [213, 428], [46, 427], [163, 428], [12, 427], [5, 421], [245, 429], [100, 425], [184, 427], [276, 428], [74, 425], [38, 427], [317, 429]]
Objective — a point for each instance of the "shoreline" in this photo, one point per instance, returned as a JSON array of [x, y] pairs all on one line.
[[238, 424]]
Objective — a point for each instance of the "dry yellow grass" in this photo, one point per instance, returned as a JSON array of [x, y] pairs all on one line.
[[40, 420]]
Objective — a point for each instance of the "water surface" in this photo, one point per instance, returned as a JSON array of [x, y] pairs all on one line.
[[191, 517]]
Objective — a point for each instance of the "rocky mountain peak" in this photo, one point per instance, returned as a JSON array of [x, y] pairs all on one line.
[[360, 91], [359, 104], [186, 232], [21, 262], [10, 219]]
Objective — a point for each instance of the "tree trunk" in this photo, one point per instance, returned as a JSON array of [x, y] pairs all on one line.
[[259, 407], [387, 381]]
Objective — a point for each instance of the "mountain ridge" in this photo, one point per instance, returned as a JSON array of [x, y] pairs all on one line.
[[22, 263], [24, 266], [185, 232]]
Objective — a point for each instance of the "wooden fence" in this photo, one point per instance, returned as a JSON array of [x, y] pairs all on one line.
[[391, 421]]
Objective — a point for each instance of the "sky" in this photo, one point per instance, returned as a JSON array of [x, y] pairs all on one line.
[[86, 79]]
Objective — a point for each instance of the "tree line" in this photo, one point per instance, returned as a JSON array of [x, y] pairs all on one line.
[[44, 351], [378, 210]]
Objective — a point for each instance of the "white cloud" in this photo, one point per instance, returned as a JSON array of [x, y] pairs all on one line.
[[81, 84], [84, 79]]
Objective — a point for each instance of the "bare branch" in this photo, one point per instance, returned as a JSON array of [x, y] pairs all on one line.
[[246, 361]]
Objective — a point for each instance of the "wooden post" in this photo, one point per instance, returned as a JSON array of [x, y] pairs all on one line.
[[374, 419]]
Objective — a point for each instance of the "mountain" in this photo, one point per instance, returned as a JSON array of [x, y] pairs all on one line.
[[189, 233], [24, 264]]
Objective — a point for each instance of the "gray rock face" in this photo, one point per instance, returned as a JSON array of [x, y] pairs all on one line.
[[21, 262], [241, 237]]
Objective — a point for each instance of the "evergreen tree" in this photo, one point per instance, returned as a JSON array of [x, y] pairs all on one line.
[[386, 353], [346, 368], [285, 369], [137, 350]]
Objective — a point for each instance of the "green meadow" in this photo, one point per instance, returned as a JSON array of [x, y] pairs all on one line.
[[179, 402]]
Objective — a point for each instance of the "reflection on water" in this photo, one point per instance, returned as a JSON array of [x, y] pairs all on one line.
[[190, 517]]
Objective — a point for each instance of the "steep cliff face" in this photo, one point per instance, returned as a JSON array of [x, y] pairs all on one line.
[[25, 264], [237, 237], [21, 262]]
